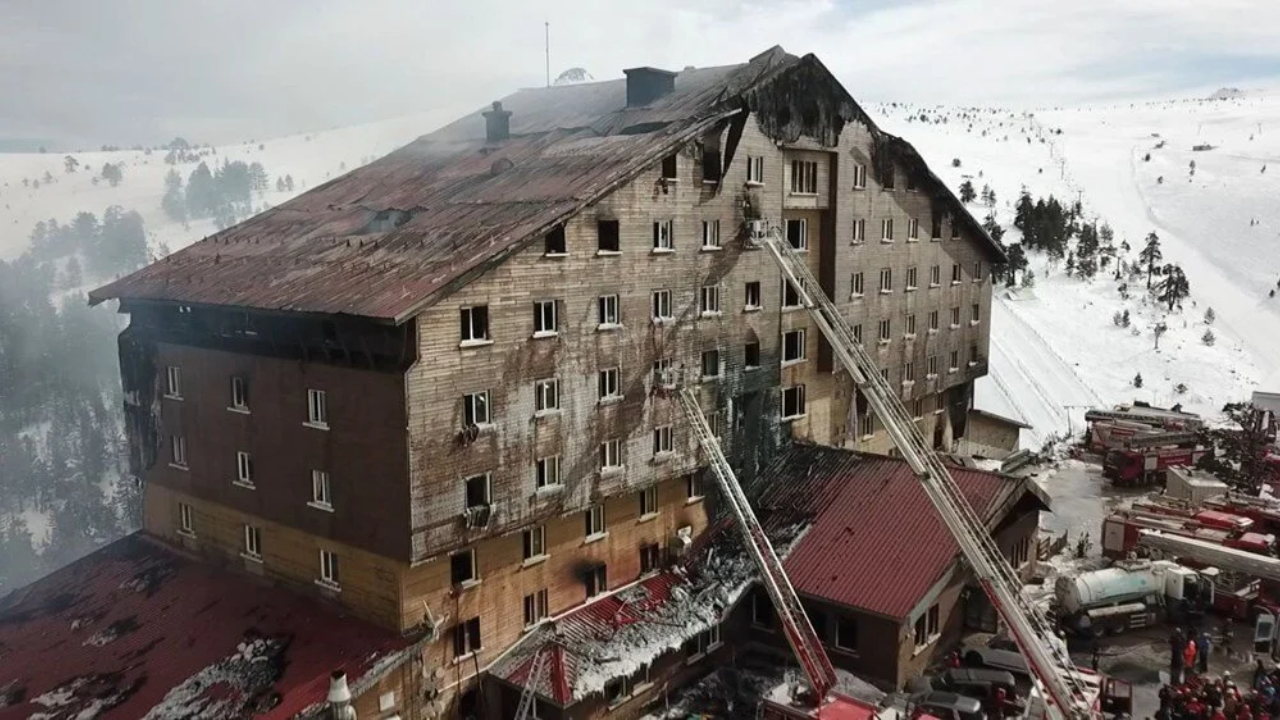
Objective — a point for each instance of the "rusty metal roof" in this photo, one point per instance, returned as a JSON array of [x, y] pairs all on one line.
[[462, 203], [877, 543]]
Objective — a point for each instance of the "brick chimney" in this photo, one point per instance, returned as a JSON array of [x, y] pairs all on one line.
[[497, 123], [646, 84]]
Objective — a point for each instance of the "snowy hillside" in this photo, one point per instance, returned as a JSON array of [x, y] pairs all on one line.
[[35, 187], [1055, 348]]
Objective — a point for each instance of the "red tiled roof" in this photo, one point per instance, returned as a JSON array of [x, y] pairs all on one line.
[[136, 630], [876, 543]]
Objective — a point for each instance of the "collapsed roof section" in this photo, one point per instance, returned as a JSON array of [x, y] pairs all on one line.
[[388, 239], [136, 631]]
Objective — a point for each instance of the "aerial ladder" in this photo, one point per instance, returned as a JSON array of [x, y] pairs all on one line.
[[1071, 694], [1227, 558]]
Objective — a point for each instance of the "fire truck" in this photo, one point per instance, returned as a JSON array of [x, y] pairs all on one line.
[[1140, 413], [1146, 466], [1122, 533]]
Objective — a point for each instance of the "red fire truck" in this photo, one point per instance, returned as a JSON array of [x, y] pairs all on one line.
[[1146, 466], [1121, 533]]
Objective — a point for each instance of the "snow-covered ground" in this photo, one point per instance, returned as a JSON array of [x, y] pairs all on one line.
[[1055, 350], [49, 192]]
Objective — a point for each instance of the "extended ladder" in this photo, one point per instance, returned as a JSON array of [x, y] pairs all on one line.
[[528, 696], [1034, 633], [795, 622]]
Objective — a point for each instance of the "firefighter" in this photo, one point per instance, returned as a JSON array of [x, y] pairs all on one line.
[[1176, 641], [1202, 652], [1189, 656]]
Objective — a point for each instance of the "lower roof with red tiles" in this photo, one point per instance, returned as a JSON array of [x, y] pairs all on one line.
[[876, 543], [138, 631]]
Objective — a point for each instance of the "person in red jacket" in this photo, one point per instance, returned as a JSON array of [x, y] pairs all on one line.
[[1189, 657]]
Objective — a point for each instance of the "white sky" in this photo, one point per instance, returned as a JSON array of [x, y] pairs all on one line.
[[89, 72]]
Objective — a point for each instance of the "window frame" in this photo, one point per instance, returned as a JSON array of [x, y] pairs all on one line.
[[664, 236], [662, 306], [711, 232], [244, 469], [859, 231], [748, 354], [173, 382], [546, 318], [252, 542], [178, 452], [597, 525], [186, 520], [487, 479], [857, 285], [611, 449], [537, 608], [803, 225], [471, 403], [886, 280], [663, 440], [755, 170], [317, 409], [804, 177], [239, 394], [468, 333], [648, 502], [716, 365], [709, 301], [859, 176], [603, 379], [321, 490], [608, 312], [330, 570], [886, 330], [608, 230], [546, 396], [473, 567], [534, 545], [546, 473], [800, 346], [752, 288], [797, 401], [886, 230], [913, 229], [467, 639]]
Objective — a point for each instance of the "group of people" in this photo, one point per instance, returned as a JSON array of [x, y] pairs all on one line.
[[1188, 654], [1199, 698]]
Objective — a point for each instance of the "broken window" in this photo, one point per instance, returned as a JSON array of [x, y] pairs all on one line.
[[186, 519], [594, 517], [886, 178], [859, 231], [239, 392], [475, 408], [608, 315], [475, 324], [804, 177], [466, 638], [608, 384], [649, 497], [761, 609], [670, 167], [751, 355], [792, 402], [856, 285], [253, 542], [608, 236], [663, 377], [650, 558], [798, 233], [462, 567], [535, 542], [329, 568], [662, 440], [546, 395], [611, 454], [178, 451], [709, 300], [859, 177], [790, 295], [926, 628], [662, 305], [711, 158], [616, 692], [597, 580], [318, 408], [535, 608], [545, 322], [913, 229], [173, 382], [244, 468], [555, 243], [664, 235], [692, 486], [847, 633], [321, 494], [546, 472], [710, 234], [793, 346], [752, 300], [477, 489], [710, 363], [755, 169]]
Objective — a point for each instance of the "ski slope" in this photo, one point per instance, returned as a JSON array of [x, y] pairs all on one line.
[[1055, 349], [49, 192]]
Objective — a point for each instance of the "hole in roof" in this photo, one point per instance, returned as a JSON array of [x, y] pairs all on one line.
[[386, 221]]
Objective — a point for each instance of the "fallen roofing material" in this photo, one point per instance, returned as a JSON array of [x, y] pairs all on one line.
[[617, 634], [871, 521], [137, 631]]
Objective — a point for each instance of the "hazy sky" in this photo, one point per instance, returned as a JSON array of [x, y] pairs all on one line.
[[85, 72]]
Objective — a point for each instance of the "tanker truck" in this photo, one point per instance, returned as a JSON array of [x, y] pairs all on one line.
[[1131, 594]]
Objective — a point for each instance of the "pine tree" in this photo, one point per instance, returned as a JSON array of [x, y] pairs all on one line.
[[1209, 316], [1137, 380], [1029, 278], [1174, 288], [1022, 213], [1124, 319], [1151, 255], [1208, 338], [1241, 449], [966, 192]]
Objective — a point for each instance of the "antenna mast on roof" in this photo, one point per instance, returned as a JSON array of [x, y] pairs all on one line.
[[547, 24]]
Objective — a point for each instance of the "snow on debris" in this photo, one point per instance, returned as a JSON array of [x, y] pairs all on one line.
[[717, 582], [228, 688]]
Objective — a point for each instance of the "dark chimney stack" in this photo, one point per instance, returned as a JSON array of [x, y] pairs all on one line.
[[646, 84], [497, 123]]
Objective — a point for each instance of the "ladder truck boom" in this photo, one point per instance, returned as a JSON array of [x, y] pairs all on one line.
[[800, 634], [1032, 631], [1221, 556]]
